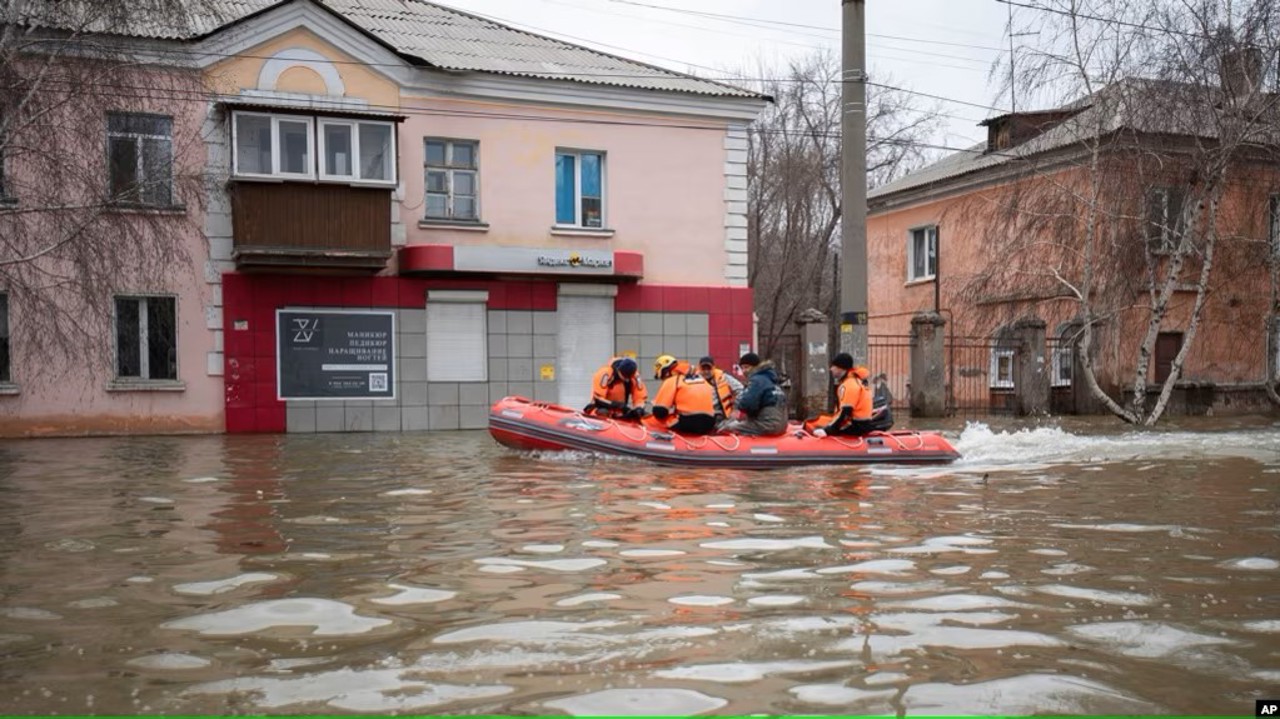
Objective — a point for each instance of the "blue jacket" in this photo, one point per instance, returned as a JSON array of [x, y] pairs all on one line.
[[762, 390]]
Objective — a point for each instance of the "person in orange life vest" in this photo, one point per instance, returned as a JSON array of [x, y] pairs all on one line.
[[726, 385], [685, 402], [617, 390], [853, 401]]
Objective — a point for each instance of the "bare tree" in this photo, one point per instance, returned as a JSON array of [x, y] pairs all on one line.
[[101, 181], [793, 170], [1119, 214]]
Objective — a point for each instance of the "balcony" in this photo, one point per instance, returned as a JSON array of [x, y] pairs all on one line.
[[310, 227]]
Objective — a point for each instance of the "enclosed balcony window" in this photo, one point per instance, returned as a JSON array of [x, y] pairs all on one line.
[[301, 147]]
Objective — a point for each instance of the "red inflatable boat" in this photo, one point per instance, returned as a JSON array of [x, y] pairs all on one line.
[[524, 424]]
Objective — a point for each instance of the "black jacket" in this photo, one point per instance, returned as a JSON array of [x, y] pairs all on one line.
[[762, 390]]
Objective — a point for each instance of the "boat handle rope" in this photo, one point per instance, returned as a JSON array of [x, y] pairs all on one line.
[[919, 438], [644, 433], [856, 445], [737, 442]]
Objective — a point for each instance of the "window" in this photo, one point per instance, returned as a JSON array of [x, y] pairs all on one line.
[[140, 159], [1001, 368], [146, 338], [457, 336], [1273, 226], [1164, 219], [273, 145], [452, 180], [922, 254], [1275, 349], [1168, 344], [356, 151], [5, 370], [4, 145], [1064, 355], [580, 189]]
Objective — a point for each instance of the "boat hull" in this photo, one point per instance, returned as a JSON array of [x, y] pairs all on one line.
[[526, 425]]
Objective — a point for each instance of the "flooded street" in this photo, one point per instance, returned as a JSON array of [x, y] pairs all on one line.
[[1053, 570]]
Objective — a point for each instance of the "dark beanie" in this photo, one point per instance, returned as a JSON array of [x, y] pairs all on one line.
[[625, 367], [844, 361], [751, 358]]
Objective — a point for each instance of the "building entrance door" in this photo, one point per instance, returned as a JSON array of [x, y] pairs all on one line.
[[585, 343]]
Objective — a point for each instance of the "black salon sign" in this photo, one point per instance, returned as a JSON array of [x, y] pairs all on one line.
[[335, 354]]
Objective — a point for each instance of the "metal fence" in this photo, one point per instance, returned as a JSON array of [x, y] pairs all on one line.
[[980, 375], [889, 359]]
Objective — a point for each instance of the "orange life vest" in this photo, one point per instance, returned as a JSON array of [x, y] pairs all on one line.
[[685, 394], [854, 394], [723, 390], [608, 386]]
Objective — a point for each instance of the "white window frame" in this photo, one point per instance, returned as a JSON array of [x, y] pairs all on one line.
[[998, 354], [577, 189], [144, 334], [353, 127], [1168, 224], [446, 369], [1063, 358], [449, 170], [931, 236], [139, 168], [276, 147]]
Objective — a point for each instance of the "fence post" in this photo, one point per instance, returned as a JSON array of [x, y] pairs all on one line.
[[1030, 373], [928, 373], [814, 378]]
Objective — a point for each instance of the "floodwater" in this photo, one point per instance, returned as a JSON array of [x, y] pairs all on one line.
[[1086, 569]]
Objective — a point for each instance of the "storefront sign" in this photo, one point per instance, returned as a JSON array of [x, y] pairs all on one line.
[[332, 354], [478, 258]]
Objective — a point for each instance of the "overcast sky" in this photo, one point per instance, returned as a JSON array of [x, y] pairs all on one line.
[[949, 49]]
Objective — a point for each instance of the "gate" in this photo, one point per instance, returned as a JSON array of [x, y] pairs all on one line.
[[889, 359], [980, 375]]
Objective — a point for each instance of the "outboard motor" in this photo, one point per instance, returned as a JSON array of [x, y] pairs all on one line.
[[881, 414]]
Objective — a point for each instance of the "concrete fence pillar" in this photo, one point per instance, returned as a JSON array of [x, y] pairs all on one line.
[[814, 378], [1030, 371], [928, 365]]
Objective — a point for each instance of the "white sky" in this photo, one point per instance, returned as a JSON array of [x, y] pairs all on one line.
[[683, 41]]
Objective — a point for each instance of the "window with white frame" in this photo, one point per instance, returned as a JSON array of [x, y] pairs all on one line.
[[6, 371], [356, 150], [1064, 356], [274, 145], [1164, 219], [922, 253], [146, 338], [452, 180], [140, 159], [1002, 368], [457, 336], [580, 189]]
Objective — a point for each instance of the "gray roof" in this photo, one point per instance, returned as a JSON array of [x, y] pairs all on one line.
[[439, 36], [1140, 105]]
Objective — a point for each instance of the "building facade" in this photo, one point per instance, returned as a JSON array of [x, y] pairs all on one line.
[[939, 241], [414, 212]]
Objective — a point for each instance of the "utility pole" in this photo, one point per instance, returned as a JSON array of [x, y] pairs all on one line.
[[853, 181]]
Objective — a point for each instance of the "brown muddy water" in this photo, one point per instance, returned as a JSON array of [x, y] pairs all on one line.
[[1086, 569]]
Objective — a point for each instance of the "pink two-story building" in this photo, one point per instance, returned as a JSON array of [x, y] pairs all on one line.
[[418, 211]]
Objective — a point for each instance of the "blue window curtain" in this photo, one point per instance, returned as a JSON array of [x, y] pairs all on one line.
[[565, 190]]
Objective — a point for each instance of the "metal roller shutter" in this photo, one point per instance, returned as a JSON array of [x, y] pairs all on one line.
[[585, 342]]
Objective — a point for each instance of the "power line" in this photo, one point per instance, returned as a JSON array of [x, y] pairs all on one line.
[[756, 22], [1110, 21]]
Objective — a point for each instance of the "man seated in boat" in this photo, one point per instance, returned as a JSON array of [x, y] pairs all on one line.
[[726, 385], [854, 413], [617, 391], [685, 402], [764, 404]]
